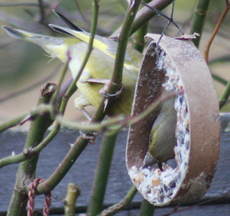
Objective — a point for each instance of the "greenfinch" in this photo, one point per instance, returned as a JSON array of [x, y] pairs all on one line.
[[162, 137], [72, 47]]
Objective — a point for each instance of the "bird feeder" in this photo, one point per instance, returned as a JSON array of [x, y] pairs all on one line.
[[175, 65]]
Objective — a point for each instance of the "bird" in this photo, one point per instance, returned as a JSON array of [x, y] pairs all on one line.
[[162, 136], [98, 71]]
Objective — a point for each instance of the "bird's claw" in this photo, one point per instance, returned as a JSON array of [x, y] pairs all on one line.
[[104, 93], [160, 166], [150, 161], [91, 136]]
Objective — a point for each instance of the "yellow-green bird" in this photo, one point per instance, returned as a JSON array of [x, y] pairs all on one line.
[[99, 68], [72, 47], [162, 137]]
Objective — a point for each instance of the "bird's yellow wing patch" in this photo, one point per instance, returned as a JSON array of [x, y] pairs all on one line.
[[98, 44]]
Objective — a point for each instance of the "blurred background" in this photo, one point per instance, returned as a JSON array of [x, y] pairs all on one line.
[[25, 67]]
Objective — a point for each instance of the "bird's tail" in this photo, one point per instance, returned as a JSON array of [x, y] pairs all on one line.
[[49, 44]]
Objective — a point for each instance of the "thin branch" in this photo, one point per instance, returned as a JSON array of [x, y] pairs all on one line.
[[26, 170], [139, 38], [22, 4], [176, 210], [224, 97], [13, 159], [170, 19], [121, 205], [220, 59], [93, 126], [42, 12], [144, 15], [47, 140], [199, 19], [101, 174], [148, 110], [87, 55], [73, 192], [147, 209], [116, 81], [207, 48], [30, 87], [38, 111], [61, 78], [29, 152], [62, 98], [219, 79], [80, 143], [115, 123]]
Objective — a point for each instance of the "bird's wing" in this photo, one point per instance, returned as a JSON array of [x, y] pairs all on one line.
[[67, 21], [99, 42], [106, 45]]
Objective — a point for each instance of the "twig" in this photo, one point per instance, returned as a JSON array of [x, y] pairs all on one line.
[[194, 205], [73, 193], [101, 174], [86, 58], [220, 59], [38, 111], [26, 170], [121, 205], [42, 12], [115, 123], [144, 15], [207, 48], [170, 20], [139, 38], [93, 126], [199, 19], [147, 209], [224, 97], [80, 143], [121, 48], [116, 81], [28, 88], [31, 152], [28, 153], [219, 79], [22, 4], [148, 110], [61, 77]]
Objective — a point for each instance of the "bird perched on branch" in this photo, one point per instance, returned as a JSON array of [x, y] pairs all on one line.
[[98, 71], [72, 48]]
